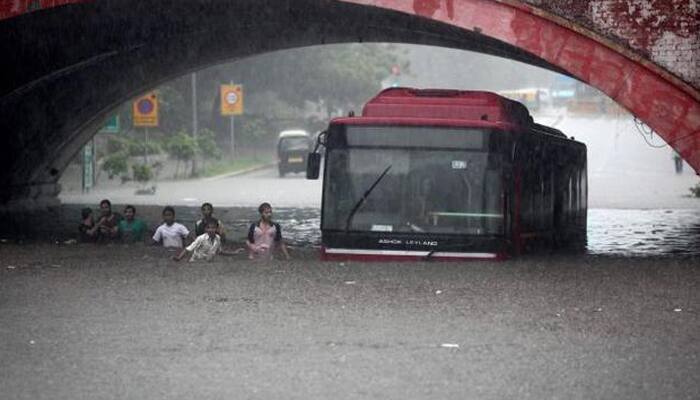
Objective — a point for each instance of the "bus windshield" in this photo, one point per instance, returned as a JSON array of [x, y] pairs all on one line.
[[413, 179]]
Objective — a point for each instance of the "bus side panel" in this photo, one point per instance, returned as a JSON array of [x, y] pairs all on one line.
[[517, 204], [570, 215]]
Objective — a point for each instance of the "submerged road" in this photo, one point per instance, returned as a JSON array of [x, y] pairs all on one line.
[[128, 323]]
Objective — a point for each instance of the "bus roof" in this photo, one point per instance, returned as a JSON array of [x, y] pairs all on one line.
[[456, 105]]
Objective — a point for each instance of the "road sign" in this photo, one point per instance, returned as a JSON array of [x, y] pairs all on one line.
[[111, 126], [88, 166], [145, 111], [231, 100]]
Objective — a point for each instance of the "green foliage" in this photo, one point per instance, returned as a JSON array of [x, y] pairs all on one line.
[[337, 76], [116, 164], [182, 146], [208, 148], [254, 129], [132, 147], [228, 165], [139, 148], [280, 89], [142, 172], [115, 145]]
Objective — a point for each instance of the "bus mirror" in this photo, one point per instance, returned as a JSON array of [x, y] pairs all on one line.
[[313, 165]]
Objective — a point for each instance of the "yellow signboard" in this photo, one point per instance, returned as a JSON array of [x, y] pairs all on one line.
[[145, 111], [231, 100]]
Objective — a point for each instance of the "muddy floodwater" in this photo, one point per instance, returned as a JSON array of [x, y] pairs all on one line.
[[644, 232], [128, 322], [116, 321]]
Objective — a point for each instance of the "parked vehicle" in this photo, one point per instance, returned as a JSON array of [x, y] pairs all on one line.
[[293, 146]]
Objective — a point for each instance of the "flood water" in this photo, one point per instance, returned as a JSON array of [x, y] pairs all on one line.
[[644, 232], [614, 232], [610, 231]]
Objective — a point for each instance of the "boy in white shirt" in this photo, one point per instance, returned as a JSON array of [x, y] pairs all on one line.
[[170, 233], [206, 246]]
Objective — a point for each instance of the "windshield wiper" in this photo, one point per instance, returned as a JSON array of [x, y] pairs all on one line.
[[364, 197]]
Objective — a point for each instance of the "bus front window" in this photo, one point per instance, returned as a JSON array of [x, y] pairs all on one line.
[[420, 188]]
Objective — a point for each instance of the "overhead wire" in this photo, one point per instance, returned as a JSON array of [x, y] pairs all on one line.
[[645, 130]]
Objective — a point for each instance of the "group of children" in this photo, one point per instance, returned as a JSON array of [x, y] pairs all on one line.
[[263, 240]]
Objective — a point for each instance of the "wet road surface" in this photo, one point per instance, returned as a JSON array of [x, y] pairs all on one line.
[[108, 322]]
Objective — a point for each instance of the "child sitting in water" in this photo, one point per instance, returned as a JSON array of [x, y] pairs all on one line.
[[107, 224], [208, 216], [265, 236], [205, 246], [87, 230], [131, 229], [170, 233]]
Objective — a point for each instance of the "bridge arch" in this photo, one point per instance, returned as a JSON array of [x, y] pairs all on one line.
[[85, 58]]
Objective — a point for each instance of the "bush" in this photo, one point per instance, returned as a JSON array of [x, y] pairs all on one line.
[[182, 146], [139, 147], [116, 164], [257, 130], [142, 172], [132, 147], [208, 148], [115, 145]]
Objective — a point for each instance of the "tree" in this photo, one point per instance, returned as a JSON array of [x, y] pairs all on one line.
[[142, 173], [183, 148], [207, 146], [298, 88], [280, 86], [116, 164]]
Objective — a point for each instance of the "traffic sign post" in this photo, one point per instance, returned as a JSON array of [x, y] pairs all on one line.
[[231, 99], [145, 111], [88, 166], [111, 126], [232, 105], [145, 115]]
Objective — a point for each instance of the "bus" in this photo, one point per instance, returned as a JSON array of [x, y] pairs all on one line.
[[447, 174]]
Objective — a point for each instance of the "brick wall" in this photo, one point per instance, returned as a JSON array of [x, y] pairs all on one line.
[[665, 31]]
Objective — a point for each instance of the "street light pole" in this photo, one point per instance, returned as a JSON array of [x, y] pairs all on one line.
[[194, 118]]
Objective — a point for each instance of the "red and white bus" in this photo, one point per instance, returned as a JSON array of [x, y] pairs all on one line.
[[447, 174]]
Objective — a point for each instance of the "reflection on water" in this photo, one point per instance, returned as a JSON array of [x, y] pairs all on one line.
[[300, 226], [644, 232], [610, 231]]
